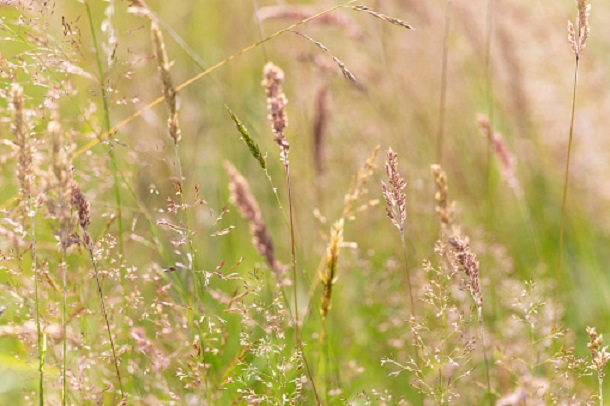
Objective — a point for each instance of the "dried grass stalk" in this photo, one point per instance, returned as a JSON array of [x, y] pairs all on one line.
[[384, 17], [302, 12], [346, 72]]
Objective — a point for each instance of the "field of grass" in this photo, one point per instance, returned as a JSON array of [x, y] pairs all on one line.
[[264, 202]]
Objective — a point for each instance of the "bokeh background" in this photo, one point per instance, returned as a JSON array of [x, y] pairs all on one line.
[[47, 47]]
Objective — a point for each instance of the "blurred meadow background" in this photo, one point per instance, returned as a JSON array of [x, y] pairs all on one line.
[[102, 198]]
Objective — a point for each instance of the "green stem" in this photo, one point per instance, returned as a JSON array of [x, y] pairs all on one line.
[[99, 290], [64, 393], [199, 285], [565, 192], [293, 262], [490, 106], [32, 215], [484, 343], [441, 128], [107, 126]]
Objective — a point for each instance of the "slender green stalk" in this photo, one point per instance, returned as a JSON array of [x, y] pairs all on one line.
[[107, 126], [565, 189], [443, 96], [490, 105], [293, 262], [99, 291], [64, 320], [416, 349], [404, 255], [39, 335], [199, 285], [484, 343]]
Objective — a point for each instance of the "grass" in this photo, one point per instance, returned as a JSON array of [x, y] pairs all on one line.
[[217, 285]]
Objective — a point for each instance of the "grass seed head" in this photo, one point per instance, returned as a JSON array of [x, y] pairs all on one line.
[[394, 196], [169, 91], [273, 78]]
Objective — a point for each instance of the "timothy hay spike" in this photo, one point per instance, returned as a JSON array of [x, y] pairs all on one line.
[[169, 91], [384, 17], [394, 195], [332, 257], [242, 198], [20, 130], [247, 138], [273, 78]]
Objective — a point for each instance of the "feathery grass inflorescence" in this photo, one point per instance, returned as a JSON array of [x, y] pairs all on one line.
[[82, 207], [578, 40], [273, 78], [356, 191], [391, 20], [396, 208], [469, 264], [62, 185], [577, 37], [175, 133], [25, 176], [599, 358]]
